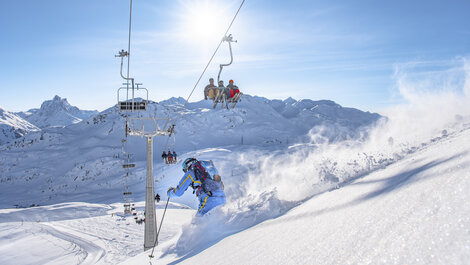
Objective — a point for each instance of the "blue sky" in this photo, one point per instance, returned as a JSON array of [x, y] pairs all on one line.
[[346, 51]]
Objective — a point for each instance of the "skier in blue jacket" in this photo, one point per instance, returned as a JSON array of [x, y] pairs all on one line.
[[203, 177]]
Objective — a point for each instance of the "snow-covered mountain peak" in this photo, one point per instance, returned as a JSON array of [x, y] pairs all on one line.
[[58, 104], [56, 98], [173, 101], [290, 100], [12, 126], [2, 110], [56, 112]]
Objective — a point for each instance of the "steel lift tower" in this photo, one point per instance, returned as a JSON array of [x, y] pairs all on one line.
[[136, 127], [147, 127]]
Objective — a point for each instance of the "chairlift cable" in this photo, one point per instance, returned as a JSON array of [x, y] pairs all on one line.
[[213, 55], [210, 60]]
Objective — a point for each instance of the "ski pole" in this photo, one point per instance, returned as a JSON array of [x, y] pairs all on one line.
[[159, 228]]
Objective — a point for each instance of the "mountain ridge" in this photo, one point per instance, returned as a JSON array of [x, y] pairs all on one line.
[[13, 126], [90, 151], [56, 112]]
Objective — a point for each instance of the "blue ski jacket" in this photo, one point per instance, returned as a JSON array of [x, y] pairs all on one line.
[[206, 202]]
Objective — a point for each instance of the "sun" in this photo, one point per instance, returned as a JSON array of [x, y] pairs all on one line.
[[203, 21]]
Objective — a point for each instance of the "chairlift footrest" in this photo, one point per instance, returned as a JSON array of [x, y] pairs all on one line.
[[129, 105]]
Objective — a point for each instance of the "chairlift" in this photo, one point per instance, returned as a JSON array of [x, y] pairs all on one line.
[[130, 103], [220, 96], [125, 103], [170, 157]]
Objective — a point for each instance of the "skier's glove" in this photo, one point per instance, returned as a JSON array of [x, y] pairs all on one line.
[[169, 190]]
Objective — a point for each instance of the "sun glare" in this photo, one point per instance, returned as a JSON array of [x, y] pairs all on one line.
[[203, 21]]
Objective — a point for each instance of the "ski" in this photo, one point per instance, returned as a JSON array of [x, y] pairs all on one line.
[[235, 100]]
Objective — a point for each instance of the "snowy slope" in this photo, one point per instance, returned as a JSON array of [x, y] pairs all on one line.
[[56, 112], [58, 164], [77, 233], [13, 127], [394, 194], [412, 211]]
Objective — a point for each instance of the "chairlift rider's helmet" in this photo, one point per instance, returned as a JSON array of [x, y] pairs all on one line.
[[188, 162]]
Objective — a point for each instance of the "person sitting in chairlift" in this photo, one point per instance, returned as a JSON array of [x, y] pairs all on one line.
[[210, 90], [227, 93], [222, 90], [233, 90], [170, 157], [165, 157], [175, 157]]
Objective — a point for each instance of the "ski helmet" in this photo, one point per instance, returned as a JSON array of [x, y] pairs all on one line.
[[188, 162]]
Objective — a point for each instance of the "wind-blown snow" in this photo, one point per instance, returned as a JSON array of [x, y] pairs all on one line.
[[398, 196], [414, 211]]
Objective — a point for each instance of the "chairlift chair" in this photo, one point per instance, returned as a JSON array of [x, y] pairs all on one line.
[[221, 97], [132, 103]]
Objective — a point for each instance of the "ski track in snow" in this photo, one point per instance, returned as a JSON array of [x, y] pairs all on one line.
[[51, 235], [93, 252]]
